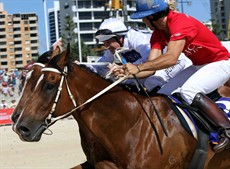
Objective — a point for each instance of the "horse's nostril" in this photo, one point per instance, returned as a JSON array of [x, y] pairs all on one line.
[[15, 117], [24, 131]]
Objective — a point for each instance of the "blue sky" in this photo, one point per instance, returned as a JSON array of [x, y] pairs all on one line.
[[200, 9], [27, 6]]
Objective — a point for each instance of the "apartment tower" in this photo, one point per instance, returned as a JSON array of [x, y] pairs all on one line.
[[18, 39], [54, 22], [220, 13]]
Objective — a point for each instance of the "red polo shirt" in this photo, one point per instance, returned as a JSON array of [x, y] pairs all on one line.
[[201, 46]]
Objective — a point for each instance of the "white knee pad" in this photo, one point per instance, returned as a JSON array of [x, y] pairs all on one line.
[[172, 71]]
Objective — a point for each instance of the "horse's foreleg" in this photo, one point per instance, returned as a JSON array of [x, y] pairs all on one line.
[[84, 165], [106, 165]]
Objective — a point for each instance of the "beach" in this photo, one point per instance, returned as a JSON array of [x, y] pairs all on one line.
[[61, 150]]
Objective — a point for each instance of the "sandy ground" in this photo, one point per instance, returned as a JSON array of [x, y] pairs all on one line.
[[61, 150]]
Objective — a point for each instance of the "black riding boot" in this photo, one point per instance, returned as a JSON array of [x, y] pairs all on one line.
[[216, 117]]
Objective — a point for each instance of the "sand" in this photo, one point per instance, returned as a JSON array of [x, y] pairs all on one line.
[[61, 150]]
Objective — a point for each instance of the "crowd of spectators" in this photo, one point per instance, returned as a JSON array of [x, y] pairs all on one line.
[[9, 87]]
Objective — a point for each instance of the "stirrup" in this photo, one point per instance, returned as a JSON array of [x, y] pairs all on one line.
[[223, 144], [227, 133]]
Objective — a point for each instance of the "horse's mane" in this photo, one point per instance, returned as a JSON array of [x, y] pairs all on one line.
[[92, 72], [126, 87]]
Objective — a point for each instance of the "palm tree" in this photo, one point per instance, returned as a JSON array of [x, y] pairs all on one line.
[[69, 36], [216, 29]]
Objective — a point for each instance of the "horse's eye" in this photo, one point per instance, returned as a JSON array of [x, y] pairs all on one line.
[[50, 86]]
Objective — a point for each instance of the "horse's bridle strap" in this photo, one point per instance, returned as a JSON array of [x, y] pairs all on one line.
[[49, 69], [39, 64]]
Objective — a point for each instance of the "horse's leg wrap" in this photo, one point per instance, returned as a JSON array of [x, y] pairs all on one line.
[[215, 116]]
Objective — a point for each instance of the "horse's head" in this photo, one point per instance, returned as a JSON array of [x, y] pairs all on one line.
[[28, 86], [30, 81], [61, 88], [34, 117]]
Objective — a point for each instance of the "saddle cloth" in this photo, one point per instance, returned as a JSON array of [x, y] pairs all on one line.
[[223, 103]]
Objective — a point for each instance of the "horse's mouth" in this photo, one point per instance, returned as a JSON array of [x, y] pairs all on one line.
[[30, 136]]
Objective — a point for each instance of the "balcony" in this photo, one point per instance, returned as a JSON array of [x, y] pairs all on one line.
[[84, 9], [33, 18], [18, 39]]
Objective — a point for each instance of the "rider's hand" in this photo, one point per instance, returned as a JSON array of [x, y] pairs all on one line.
[[112, 66], [77, 62], [131, 69], [119, 72], [116, 70], [57, 44]]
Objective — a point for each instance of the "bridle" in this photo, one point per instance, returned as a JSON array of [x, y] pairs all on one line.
[[50, 120]]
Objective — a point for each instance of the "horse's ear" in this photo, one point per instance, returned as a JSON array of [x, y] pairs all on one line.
[[64, 57]]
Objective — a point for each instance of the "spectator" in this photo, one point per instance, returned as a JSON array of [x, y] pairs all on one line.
[[5, 78], [11, 90], [5, 90], [3, 104], [13, 103]]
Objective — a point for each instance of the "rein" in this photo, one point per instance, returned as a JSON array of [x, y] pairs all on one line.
[[92, 63], [50, 120]]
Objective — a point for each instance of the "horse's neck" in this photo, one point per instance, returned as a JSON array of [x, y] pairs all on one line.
[[85, 83]]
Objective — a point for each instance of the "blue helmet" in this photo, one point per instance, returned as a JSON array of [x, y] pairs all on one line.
[[148, 7]]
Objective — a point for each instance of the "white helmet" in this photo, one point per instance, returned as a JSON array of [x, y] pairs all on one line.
[[110, 28]]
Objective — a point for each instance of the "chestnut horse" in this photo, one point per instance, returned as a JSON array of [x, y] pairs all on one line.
[[29, 84], [116, 129]]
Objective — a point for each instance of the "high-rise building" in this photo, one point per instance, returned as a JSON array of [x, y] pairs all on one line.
[[220, 13], [18, 39], [54, 22]]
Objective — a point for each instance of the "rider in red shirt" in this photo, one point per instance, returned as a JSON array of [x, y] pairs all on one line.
[[183, 34], [197, 45]]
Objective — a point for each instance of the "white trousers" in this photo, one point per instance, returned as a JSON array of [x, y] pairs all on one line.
[[171, 72], [161, 77], [196, 79]]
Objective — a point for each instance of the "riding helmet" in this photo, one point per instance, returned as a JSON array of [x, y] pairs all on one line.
[[148, 7], [110, 28]]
